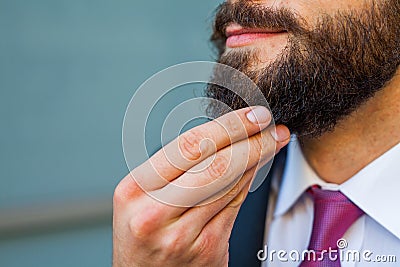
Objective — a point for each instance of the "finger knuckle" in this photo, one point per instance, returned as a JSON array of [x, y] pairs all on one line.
[[238, 200], [218, 167], [211, 249], [262, 144], [258, 143], [234, 126], [208, 241], [174, 242], [139, 229], [189, 144], [143, 225], [119, 194], [125, 190], [234, 191], [268, 145]]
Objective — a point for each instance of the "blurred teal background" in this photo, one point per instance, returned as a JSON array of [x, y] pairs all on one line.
[[68, 69]]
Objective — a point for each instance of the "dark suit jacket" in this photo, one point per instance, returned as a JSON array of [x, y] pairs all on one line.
[[248, 232]]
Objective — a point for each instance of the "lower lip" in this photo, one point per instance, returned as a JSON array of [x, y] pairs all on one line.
[[247, 38]]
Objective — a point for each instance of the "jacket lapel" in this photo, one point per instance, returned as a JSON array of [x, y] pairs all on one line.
[[248, 232]]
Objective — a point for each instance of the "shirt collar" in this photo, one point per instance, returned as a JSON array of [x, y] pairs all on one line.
[[375, 189]]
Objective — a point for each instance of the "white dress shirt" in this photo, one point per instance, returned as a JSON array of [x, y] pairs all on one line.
[[375, 189]]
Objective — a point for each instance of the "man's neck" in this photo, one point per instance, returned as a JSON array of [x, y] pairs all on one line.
[[358, 139]]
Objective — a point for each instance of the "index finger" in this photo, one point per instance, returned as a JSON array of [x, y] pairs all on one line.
[[197, 144]]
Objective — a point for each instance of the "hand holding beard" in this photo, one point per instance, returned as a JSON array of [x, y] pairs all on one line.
[[150, 233]]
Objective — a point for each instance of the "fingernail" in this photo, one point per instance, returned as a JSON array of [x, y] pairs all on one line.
[[259, 115], [280, 134]]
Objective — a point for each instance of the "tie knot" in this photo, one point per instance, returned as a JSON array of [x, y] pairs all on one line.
[[334, 213], [318, 194]]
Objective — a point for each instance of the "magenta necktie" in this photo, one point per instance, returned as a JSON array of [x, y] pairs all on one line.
[[334, 213]]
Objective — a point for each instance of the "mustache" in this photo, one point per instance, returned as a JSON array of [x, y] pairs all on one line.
[[252, 15]]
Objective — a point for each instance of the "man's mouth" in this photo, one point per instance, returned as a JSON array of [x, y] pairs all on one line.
[[237, 36]]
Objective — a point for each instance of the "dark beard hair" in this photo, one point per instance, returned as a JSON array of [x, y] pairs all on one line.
[[324, 73]]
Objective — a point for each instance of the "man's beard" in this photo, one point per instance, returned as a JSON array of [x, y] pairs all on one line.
[[324, 73]]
